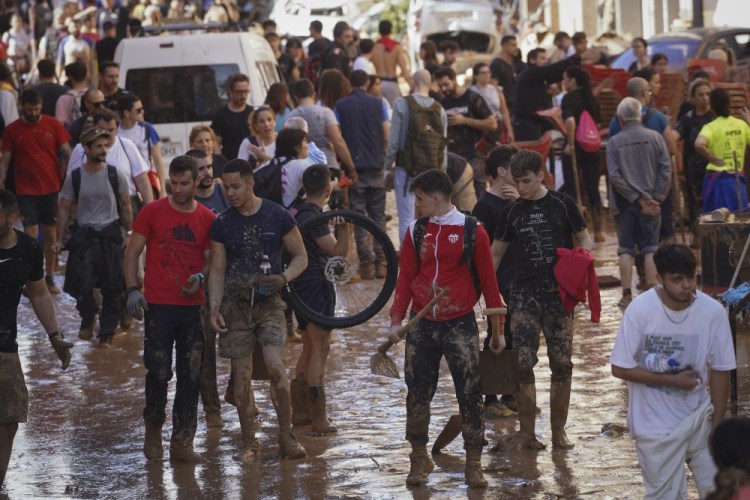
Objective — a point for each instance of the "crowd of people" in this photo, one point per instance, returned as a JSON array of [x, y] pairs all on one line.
[[81, 163]]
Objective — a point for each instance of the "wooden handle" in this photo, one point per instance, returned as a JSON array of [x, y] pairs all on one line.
[[413, 321], [493, 311]]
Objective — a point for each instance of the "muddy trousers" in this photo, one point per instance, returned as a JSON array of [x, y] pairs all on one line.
[[181, 327], [208, 387], [367, 196], [532, 311], [458, 341]]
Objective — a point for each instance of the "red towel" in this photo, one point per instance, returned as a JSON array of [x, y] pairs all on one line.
[[388, 42], [575, 276]]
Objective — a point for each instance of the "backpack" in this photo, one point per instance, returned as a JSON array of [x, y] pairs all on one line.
[[268, 181], [470, 240], [114, 181], [425, 142], [587, 133], [75, 107]]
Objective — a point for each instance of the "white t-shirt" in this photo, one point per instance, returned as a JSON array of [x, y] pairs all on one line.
[[696, 337], [364, 64], [123, 154], [145, 137], [244, 152], [291, 179]]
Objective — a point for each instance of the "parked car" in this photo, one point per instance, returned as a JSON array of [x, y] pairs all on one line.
[[471, 24], [293, 17], [181, 78], [681, 46]]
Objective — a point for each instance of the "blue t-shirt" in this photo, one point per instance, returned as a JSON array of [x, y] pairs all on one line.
[[651, 118], [248, 237]]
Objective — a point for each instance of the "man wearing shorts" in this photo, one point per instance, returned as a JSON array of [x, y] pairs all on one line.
[[38, 145], [639, 172], [176, 231], [246, 306], [21, 265]]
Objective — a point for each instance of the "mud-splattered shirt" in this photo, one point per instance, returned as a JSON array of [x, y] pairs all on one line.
[[176, 242], [248, 237], [540, 227], [22, 263], [442, 248]]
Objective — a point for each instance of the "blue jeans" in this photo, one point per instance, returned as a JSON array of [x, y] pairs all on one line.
[[633, 229], [181, 327]]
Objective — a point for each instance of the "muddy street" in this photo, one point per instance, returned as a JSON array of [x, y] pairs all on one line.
[[85, 431]]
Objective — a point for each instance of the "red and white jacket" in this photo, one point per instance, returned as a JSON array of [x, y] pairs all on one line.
[[442, 248]]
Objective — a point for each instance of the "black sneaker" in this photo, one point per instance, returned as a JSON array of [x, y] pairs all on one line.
[[86, 330]]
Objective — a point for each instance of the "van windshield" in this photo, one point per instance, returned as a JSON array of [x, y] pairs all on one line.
[[181, 94]]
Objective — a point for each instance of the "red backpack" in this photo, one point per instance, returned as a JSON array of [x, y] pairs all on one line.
[[587, 133]]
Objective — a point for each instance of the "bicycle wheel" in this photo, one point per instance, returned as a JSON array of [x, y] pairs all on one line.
[[325, 293]]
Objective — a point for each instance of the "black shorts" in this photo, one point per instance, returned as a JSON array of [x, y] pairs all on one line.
[[40, 209], [322, 300]]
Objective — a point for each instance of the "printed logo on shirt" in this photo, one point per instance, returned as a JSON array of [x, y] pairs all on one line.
[[453, 238]]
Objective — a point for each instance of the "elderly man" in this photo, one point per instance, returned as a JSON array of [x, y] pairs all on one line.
[[639, 170]]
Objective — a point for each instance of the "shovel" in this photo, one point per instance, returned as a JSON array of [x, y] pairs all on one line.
[[380, 363]]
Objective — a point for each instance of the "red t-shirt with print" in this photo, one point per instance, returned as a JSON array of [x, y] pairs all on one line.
[[35, 154], [174, 250]]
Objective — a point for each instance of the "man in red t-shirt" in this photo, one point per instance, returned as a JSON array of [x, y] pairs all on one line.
[[38, 144], [176, 230]]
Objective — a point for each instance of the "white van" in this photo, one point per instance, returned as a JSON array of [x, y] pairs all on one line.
[[181, 78]]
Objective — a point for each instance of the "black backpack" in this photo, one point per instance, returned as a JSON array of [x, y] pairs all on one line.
[[268, 182], [470, 240], [75, 177], [425, 142]]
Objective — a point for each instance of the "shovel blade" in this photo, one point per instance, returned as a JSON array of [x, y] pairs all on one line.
[[499, 373], [381, 364], [451, 430]]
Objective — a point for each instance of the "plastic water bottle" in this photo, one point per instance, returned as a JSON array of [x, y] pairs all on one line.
[[265, 270], [660, 363]]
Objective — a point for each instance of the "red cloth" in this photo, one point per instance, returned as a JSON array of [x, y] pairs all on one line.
[[575, 275], [176, 244], [35, 154], [388, 42], [442, 247]]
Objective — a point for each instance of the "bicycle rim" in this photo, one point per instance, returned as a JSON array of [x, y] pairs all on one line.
[[326, 294]]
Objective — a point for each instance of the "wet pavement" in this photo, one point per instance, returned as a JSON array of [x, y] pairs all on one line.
[[85, 432]]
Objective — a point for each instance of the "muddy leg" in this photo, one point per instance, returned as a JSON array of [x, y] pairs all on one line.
[[558, 333], [189, 353], [242, 369], [320, 346], [208, 387], [298, 386], [288, 445], [527, 417], [559, 403], [7, 434]]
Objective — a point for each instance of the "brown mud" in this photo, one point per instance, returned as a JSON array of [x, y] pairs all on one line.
[[85, 432]]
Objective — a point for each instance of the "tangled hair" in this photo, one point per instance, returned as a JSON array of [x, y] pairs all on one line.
[[730, 447], [288, 142], [499, 158], [278, 97], [332, 86], [525, 162]]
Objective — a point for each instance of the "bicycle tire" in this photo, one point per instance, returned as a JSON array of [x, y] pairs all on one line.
[[354, 302]]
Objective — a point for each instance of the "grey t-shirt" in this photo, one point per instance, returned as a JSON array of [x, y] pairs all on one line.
[[318, 119], [97, 205]]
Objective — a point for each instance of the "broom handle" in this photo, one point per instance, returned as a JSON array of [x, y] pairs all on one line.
[[413, 321]]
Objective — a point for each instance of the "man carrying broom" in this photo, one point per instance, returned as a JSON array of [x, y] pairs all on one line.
[[440, 259]]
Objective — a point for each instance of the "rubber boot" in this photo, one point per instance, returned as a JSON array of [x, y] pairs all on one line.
[[288, 445], [421, 465], [300, 403], [320, 424], [596, 218], [559, 403], [152, 445], [229, 396], [526, 400], [181, 450], [250, 452], [473, 471]]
